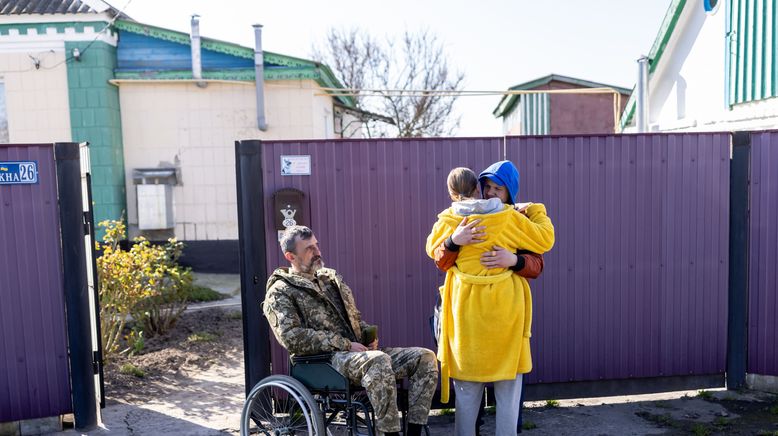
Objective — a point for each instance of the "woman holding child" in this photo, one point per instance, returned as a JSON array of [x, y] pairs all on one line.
[[487, 313]]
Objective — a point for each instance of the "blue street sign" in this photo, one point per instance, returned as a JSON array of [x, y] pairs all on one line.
[[18, 173]]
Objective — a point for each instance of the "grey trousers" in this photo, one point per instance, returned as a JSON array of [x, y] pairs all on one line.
[[507, 394]]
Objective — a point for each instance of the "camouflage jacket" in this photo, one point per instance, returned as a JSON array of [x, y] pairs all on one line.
[[304, 320]]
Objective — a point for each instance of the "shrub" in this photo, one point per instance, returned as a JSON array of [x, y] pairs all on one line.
[[198, 293], [130, 369], [164, 283], [144, 283], [202, 337], [119, 288]]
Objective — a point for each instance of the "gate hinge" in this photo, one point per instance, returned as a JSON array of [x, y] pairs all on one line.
[[96, 362], [87, 223]]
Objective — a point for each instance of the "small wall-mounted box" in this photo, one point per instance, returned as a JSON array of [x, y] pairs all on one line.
[[154, 188]]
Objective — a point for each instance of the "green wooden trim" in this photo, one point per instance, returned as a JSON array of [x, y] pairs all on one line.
[[244, 75], [665, 32], [241, 74], [508, 102], [79, 26], [566, 79], [153, 31], [752, 64]]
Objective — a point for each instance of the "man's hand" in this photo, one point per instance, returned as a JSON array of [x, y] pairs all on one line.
[[373, 345], [522, 207], [498, 258], [356, 347], [468, 233]]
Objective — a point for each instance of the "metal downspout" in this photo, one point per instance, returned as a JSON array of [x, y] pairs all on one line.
[[197, 66], [641, 105], [259, 71]]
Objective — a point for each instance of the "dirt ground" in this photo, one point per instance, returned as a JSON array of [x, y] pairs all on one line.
[[192, 384], [197, 343]]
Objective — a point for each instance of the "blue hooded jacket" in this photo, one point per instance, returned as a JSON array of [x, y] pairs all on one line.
[[504, 173]]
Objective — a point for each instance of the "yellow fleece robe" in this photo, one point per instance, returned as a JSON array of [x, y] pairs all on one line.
[[487, 313]]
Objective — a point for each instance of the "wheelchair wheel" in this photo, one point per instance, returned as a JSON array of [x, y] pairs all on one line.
[[281, 406]]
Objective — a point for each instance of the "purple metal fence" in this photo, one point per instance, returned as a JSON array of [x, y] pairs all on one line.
[[34, 378], [763, 274], [636, 285]]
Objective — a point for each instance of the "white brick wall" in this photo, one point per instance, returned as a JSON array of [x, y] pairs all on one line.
[[195, 129], [36, 100]]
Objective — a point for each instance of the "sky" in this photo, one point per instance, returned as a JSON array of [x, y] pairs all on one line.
[[495, 43]]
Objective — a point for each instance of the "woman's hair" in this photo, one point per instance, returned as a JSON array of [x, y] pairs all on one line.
[[462, 182]]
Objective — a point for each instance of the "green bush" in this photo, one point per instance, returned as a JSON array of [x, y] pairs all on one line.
[[202, 337], [144, 283], [130, 369], [198, 294]]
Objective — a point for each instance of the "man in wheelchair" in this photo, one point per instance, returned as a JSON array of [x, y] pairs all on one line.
[[311, 311]]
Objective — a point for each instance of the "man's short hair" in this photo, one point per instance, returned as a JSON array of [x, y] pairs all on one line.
[[292, 235]]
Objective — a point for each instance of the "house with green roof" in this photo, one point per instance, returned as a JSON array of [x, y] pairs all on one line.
[[161, 110], [712, 67], [560, 105]]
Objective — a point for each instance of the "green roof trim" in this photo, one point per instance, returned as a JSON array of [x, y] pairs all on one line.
[[666, 30], [507, 102], [241, 75], [79, 26], [314, 70]]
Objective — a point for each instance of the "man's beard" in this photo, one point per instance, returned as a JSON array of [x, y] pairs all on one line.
[[316, 264]]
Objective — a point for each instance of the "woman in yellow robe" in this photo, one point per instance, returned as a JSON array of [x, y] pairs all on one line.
[[486, 313]]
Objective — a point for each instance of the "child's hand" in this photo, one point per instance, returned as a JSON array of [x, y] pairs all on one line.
[[468, 233]]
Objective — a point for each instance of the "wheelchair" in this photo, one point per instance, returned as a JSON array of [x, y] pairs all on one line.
[[315, 400]]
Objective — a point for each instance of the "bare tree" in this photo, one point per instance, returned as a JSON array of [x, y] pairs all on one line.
[[353, 55], [417, 63]]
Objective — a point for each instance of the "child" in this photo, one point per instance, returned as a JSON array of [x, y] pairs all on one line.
[[463, 189]]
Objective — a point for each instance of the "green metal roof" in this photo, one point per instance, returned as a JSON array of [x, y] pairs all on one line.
[[657, 50], [507, 102], [294, 68]]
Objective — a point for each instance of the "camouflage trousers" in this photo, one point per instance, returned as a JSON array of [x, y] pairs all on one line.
[[378, 371]]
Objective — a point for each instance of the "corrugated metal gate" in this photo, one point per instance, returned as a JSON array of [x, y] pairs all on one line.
[[34, 359], [763, 274], [47, 345], [635, 287]]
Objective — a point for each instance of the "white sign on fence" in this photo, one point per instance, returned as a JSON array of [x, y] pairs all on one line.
[[295, 165]]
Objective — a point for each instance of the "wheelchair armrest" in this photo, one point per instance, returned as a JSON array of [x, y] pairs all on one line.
[[312, 358]]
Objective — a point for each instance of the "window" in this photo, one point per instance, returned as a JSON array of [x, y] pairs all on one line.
[[711, 6], [752, 46]]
